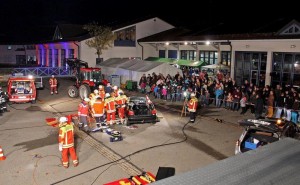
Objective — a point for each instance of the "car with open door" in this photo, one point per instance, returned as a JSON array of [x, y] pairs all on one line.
[[140, 110], [258, 133]]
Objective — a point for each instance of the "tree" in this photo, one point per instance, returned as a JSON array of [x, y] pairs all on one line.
[[102, 37]]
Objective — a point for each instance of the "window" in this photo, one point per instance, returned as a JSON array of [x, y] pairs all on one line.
[[30, 47], [71, 53], [55, 57], [172, 54], [210, 57], [126, 37], [162, 53], [50, 58], [226, 58], [63, 58], [188, 54]]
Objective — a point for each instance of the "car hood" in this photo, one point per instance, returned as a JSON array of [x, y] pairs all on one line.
[[268, 124]]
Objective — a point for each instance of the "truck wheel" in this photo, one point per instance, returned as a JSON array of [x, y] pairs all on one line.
[[73, 91], [84, 91], [33, 101]]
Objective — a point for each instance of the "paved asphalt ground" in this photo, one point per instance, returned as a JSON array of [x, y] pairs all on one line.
[[31, 148]]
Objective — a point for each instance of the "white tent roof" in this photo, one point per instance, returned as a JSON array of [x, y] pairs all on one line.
[[133, 69]]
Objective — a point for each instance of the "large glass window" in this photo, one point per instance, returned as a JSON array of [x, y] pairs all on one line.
[[188, 54], [250, 66], [126, 37], [286, 69], [162, 53], [63, 58], [50, 58], [210, 57], [172, 54]]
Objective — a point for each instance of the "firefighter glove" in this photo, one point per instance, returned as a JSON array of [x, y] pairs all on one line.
[[60, 147]]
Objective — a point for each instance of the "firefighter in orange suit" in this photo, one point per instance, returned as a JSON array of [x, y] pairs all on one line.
[[53, 85], [110, 107], [83, 112], [192, 107], [66, 142], [115, 91], [121, 101], [98, 111], [101, 92]]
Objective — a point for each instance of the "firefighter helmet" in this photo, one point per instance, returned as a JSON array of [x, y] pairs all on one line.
[[120, 92], [63, 121], [115, 87], [100, 86], [96, 91], [193, 94], [86, 99], [107, 95]]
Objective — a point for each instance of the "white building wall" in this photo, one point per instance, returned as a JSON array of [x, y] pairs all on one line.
[[143, 29]]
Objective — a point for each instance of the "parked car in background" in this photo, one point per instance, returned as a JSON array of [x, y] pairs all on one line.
[[141, 110], [258, 133]]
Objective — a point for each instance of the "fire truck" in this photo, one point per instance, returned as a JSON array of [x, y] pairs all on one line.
[[22, 89], [87, 78]]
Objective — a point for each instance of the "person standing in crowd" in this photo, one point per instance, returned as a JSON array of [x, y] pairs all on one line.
[[83, 112], [192, 107], [270, 104], [101, 92], [66, 142], [259, 106], [243, 103], [53, 85]]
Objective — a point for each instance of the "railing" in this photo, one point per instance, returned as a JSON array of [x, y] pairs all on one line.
[[41, 71]]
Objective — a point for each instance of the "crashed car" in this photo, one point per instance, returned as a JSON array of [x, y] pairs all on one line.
[[140, 110], [258, 133]]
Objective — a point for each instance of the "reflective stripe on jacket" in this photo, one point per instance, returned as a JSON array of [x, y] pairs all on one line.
[[193, 104], [66, 136], [110, 105]]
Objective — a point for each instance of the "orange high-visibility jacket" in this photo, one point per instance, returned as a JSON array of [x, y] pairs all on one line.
[[110, 105], [193, 104], [53, 82], [98, 107], [83, 109], [66, 136]]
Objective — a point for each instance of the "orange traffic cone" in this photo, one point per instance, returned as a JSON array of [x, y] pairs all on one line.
[[2, 157]]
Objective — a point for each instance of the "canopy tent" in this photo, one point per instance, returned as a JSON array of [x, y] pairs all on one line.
[[216, 66], [190, 63], [133, 69]]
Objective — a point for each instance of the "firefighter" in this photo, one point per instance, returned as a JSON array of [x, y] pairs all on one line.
[[83, 112], [66, 142], [101, 92], [192, 107], [93, 97], [110, 107], [115, 91], [98, 111], [53, 85], [121, 101]]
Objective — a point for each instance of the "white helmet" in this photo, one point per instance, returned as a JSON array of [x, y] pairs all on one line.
[[96, 91], [100, 86], [120, 92], [63, 119], [115, 87], [86, 99], [193, 94], [107, 95]]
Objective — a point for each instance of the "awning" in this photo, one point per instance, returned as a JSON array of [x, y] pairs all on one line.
[[216, 66], [190, 63]]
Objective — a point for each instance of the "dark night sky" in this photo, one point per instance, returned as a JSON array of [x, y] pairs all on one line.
[[15, 14]]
